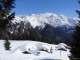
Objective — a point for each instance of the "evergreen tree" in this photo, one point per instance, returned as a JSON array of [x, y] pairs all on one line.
[[7, 44], [57, 40], [5, 16], [25, 36], [75, 43]]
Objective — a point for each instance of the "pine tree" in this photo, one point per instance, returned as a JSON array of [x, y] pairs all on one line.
[[75, 42], [7, 44], [75, 45], [5, 16]]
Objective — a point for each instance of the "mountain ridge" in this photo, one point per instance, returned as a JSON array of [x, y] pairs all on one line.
[[49, 18]]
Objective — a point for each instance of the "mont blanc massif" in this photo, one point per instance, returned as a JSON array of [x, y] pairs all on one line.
[[42, 26]]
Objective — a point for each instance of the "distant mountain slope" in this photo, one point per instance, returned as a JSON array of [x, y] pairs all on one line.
[[52, 33], [60, 24]]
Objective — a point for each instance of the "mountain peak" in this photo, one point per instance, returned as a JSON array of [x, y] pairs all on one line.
[[49, 18]]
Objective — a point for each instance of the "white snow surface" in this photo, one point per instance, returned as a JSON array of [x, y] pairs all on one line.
[[17, 47], [50, 18], [62, 46]]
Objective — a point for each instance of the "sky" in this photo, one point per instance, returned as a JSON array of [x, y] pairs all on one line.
[[65, 7]]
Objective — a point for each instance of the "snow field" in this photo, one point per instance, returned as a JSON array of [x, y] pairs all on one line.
[[17, 47]]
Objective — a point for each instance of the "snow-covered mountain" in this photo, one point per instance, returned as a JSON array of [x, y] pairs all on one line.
[[49, 18], [48, 25]]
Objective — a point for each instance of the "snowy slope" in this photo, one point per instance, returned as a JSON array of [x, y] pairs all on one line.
[[50, 18], [17, 47]]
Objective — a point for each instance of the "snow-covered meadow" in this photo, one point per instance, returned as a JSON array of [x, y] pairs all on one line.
[[33, 47]]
